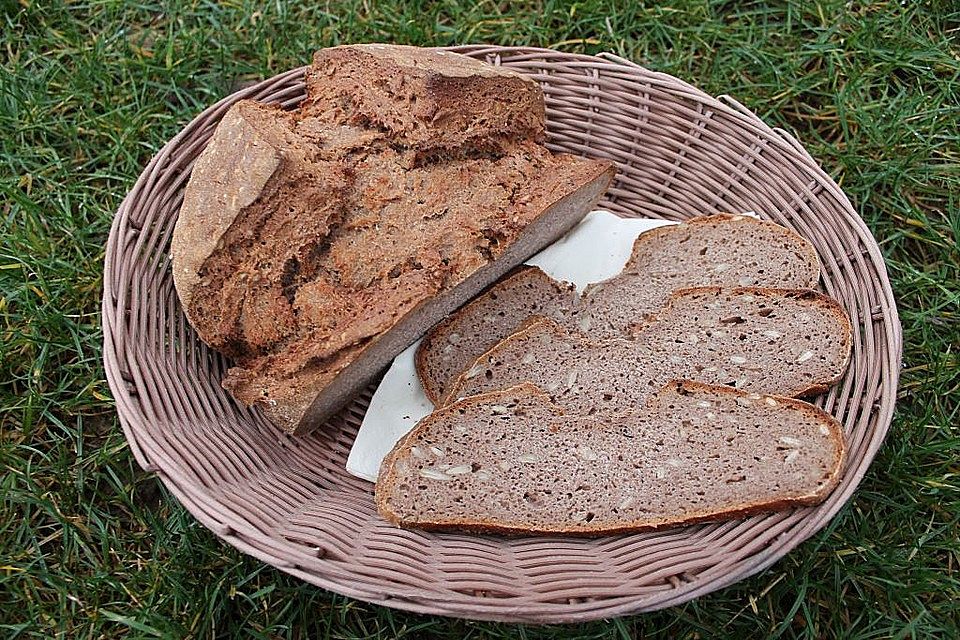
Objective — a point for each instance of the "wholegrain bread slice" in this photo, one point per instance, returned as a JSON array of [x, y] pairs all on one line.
[[720, 250], [512, 462], [786, 342], [314, 245], [449, 349]]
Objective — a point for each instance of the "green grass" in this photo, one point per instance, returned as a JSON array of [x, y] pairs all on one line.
[[92, 546]]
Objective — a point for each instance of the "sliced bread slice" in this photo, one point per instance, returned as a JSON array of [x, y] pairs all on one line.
[[512, 462], [718, 250], [722, 251], [453, 345], [788, 342]]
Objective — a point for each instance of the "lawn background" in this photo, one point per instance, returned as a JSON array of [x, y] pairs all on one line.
[[91, 546]]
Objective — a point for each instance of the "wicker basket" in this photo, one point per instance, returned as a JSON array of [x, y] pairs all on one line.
[[289, 501]]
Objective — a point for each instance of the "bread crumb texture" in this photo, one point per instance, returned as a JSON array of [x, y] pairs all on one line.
[[510, 461], [719, 250], [787, 342]]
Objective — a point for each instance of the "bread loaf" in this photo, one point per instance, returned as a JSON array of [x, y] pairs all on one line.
[[720, 250], [313, 246], [787, 342], [513, 462]]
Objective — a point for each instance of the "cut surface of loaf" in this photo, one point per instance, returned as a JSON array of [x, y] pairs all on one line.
[[781, 341], [512, 462], [720, 250], [314, 245]]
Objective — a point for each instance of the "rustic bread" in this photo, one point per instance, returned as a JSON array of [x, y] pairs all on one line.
[[315, 245], [512, 462], [787, 342], [720, 250]]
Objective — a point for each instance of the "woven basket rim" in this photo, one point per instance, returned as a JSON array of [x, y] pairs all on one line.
[[776, 534]]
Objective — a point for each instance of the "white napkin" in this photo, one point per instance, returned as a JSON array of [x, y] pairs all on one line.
[[594, 250]]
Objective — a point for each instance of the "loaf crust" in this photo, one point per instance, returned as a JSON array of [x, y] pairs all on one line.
[[313, 246], [426, 98]]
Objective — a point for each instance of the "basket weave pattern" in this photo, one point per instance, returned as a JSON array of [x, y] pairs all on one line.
[[289, 501]]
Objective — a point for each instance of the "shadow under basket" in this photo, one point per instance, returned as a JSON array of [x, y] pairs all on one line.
[[290, 502]]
